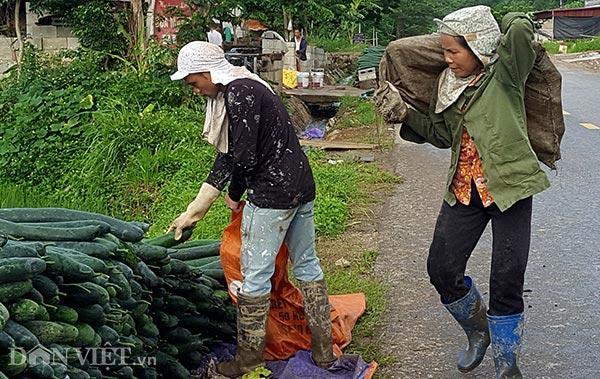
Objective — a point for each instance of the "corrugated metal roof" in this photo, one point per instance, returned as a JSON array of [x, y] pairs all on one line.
[[568, 12]]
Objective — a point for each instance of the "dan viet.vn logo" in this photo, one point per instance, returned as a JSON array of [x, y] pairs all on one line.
[[95, 356]]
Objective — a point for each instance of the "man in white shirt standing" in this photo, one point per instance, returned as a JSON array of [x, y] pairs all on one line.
[[301, 45], [214, 36]]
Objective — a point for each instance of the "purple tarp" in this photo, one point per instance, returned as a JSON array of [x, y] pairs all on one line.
[[314, 133], [300, 366]]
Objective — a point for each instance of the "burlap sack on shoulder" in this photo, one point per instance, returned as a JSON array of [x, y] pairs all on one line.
[[413, 64], [543, 104]]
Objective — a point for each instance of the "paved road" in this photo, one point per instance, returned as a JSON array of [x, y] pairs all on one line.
[[562, 334]]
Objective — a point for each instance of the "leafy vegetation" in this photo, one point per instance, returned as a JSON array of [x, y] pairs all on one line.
[[332, 20], [126, 143], [97, 28], [574, 46], [358, 279], [339, 20], [105, 130], [355, 112], [336, 45]]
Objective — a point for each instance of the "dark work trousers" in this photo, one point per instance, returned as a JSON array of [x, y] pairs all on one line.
[[457, 231]]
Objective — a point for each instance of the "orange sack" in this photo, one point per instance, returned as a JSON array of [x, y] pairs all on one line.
[[287, 331]]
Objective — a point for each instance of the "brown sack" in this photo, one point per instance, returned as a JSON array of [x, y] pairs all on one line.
[[413, 64]]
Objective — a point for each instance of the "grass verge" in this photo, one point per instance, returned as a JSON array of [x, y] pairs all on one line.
[[358, 277], [574, 46], [348, 259]]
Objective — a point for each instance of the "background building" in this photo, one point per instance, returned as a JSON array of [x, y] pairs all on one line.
[[573, 23]]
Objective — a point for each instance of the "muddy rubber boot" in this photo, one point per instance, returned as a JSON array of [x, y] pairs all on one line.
[[318, 316], [507, 332], [470, 312], [252, 313]]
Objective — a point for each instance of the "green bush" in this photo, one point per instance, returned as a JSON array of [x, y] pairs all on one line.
[[127, 143], [50, 107], [40, 132], [585, 45], [97, 28], [130, 155], [551, 47], [336, 45]]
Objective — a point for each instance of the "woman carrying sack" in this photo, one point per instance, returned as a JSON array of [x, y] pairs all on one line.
[[478, 111]]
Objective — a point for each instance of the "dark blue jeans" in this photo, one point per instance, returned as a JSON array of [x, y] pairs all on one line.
[[457, 231]]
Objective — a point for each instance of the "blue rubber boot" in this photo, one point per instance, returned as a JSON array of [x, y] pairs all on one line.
[[507, 332], [471, 313]]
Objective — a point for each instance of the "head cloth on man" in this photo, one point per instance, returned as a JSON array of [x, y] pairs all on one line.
[[198, 57]]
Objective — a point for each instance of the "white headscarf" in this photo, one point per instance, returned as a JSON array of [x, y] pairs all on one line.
[[200, 56], [482, 33]]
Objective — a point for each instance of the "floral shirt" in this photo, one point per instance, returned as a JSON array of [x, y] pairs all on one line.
[[469, 169]]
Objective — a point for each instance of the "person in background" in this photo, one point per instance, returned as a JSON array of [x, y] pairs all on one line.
[[228, 34], [300, 48], [260, 155], [228, 41], [214, 36], [478, 111]]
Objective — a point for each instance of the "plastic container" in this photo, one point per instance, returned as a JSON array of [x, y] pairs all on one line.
[[367, 74], [562, 47], [316, 79], [303, 79]]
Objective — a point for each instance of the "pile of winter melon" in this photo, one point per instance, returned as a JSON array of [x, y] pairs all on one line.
[[84, 295]]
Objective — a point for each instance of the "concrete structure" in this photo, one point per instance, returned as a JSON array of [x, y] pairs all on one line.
[[49, 37], [271, 67], [316, 58], [325, 95], [7, 57]]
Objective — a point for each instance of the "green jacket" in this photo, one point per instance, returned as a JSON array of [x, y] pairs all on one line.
[[494, 115]]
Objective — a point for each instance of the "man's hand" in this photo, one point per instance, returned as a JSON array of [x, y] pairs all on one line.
[[196, 210], [389, 103], [235, 206]]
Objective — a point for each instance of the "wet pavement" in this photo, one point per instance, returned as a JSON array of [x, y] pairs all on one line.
[[562, 286]]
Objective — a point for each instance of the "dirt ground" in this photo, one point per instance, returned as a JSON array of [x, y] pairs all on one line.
[[590, 60], [361, 234]]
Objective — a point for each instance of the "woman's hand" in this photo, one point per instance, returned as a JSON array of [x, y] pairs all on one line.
[[389, 103]]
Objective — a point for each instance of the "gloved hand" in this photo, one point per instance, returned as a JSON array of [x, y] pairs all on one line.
[[389, 103], [196, 210]]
